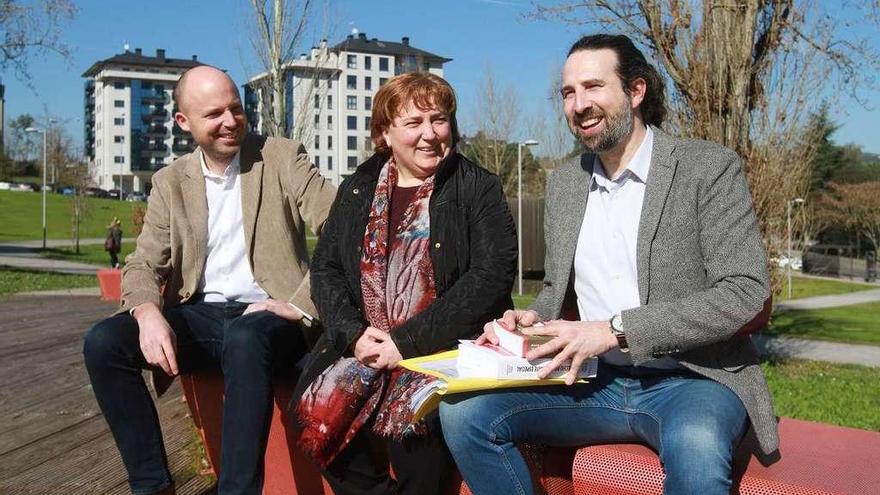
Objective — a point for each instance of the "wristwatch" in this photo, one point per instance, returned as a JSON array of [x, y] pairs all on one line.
[[617, 330]]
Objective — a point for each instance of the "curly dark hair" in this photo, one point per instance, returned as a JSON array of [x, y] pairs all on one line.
[[631, 65]]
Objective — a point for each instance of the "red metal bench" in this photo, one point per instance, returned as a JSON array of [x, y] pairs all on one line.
[[816, 458], [110, 282]]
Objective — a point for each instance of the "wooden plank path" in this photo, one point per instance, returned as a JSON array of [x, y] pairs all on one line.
[[53, 438]]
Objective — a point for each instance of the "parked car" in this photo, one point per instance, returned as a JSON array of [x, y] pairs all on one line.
[[26, 187], [114, 193], [97, 192], [137, 196], [67, 191], [5, 186]]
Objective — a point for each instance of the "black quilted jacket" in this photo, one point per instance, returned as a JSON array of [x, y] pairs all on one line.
[[473, 251]]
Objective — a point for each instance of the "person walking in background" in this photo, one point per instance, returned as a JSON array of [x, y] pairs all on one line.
[[113, 242], [419, 250]]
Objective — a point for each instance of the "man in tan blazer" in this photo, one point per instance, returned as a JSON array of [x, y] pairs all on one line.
[[219, 276]]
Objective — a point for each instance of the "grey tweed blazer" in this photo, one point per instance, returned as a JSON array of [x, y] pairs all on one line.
[[702, 267]]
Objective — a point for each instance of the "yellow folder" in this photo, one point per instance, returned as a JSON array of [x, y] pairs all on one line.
[[442, 366]]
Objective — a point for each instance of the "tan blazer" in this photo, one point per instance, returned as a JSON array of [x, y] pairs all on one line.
[[281, 193]]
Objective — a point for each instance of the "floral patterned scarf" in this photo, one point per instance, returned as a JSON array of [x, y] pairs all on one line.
[[397, 282]]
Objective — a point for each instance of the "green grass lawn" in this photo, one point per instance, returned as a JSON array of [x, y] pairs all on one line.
[[21, 216], [93, 254], [857, 324], [809, 287], [840, 394], [13, 280]]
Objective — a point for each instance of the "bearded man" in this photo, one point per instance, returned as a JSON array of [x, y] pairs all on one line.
[[653, 247]]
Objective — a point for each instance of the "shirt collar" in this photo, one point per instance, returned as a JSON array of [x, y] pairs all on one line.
[[638, 166], [231, 169]]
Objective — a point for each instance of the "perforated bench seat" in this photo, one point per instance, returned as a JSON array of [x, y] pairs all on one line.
[[816, 458]]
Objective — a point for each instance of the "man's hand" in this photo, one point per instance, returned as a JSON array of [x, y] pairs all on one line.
[[573, 340], [282, 309], [509, 320], [157, 340], [374, 348]]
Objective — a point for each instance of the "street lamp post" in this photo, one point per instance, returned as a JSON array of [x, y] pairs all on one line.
[[795, 201], [42, 189], [519, 229]]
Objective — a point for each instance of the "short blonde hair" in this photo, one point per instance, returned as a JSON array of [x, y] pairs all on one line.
[[422, 89]]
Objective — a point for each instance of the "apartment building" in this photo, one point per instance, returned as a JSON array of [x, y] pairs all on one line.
[[129, 125], [329, 96]]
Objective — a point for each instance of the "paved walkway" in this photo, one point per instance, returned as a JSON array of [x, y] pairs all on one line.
[[832, 301], [817, 350], [25, 255]]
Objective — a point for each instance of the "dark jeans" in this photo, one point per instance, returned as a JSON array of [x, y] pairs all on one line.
[[249, 350], [114, 258], [422, 466]]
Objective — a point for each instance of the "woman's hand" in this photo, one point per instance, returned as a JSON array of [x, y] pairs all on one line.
[[374, 348]]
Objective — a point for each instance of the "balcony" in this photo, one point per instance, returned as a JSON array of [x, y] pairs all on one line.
[[157, 129], [183, 146], [154, 97], [177, 131]]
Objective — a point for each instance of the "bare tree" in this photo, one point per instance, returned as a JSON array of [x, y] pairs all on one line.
[[32, 29], [494, 122], [280, 33], [744, 74], [858, 207]]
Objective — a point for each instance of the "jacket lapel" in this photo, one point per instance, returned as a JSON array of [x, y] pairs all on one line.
[[251, 190], [656, 191], [195, 202], [573, 194]]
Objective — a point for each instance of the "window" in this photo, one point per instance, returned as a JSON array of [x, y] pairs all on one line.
[[317, 102], [351, 102], [329, 163], [351, 82], [352, 162], [368, 62], [426, 67], [329, 122], [118, 103], [382, 81], [352, 123], [352, 143], [119, 121], [317, 120], [329, 142], [118, 139], [119, 85], [368, 83], [317, 142], [352, 62], [318, 161], [329, 102], [368, 102], [383, 64], [118, 159], [367, 122]]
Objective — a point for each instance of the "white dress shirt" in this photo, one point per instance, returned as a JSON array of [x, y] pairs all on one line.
[[606, 278], [228, 275]]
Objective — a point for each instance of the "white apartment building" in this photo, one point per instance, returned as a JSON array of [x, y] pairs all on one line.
[[129, 126], [329, 97]]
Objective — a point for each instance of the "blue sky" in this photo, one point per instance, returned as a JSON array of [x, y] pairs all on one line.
[[523, 53]]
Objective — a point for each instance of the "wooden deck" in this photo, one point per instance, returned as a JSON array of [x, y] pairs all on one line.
[[53, 438]]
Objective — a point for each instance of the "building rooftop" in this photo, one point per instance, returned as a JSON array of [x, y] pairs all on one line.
[[361, 43], [138, 58]]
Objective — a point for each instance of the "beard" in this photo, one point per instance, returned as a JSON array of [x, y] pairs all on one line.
[[618, 126]]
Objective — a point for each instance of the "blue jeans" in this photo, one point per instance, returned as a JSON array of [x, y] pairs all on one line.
[[693, 423], [249, 349]]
